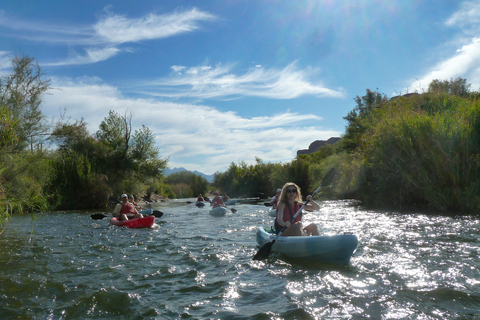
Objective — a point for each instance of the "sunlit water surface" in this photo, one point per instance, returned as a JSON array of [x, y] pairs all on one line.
[[195, 266]]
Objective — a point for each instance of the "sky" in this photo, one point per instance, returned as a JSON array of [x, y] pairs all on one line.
[[221, 82]]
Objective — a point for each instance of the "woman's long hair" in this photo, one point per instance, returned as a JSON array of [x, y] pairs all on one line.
[[283, 194]]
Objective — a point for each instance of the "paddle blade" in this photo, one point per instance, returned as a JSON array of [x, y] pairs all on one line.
[[328, 178], [157, 214], [234, 210], [98, 216], [264, 251]]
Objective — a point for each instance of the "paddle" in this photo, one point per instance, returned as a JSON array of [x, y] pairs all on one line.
[[267, 204], [99, 216], [265, 250]]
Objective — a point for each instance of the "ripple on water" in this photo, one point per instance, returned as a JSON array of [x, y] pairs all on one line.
[[193, 266]]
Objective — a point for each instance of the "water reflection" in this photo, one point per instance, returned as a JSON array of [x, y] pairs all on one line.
[[68, 266]]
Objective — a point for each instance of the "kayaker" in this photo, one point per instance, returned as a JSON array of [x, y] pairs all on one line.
[[200, 198], [290, 201], [131, 199], [217, 201], [275, 198], [125, 210], [225, 198]]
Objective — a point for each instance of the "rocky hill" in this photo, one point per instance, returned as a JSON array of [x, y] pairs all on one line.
[[316, 145]]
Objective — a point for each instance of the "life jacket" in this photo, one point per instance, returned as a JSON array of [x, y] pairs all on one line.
[[225, 198], [288, 214], [217, 202], [200, 199], [127, 208]]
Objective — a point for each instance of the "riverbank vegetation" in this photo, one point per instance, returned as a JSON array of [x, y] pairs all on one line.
[[414, 151], [417, 150], [63, 166]]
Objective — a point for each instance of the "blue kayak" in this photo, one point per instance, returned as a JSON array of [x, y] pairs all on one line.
[[335, 249], [218, 211]]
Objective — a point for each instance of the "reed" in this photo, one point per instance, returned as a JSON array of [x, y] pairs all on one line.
[[421, 152]]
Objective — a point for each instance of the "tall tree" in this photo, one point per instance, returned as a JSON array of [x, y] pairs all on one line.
[[358, 118], [21, 93], [115, 132]]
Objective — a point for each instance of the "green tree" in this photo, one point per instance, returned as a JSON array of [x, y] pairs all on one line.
[[79, 179], [131, 159], [359, 118], [296, 171], [21, 93], [115, 133], [106, 164], [246, 180], [458, 87], [187, 184], [22, 175]]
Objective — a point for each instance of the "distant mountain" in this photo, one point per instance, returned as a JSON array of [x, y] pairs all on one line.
[[175, 170]]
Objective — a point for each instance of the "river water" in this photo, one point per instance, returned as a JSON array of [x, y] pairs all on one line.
[[195, 266]]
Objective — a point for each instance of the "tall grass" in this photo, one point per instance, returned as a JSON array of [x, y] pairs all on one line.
[[422, 152]]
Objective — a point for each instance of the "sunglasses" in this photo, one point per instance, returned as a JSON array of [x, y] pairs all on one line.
[[291, 190]]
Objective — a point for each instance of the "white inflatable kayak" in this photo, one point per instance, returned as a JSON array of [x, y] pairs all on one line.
[[336, 249], [200, 203], [218, 211], [272, 212]]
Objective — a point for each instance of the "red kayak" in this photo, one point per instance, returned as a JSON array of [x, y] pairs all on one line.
[[145, 222]]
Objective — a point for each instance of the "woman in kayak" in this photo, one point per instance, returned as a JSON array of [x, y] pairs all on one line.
[[290, 201], [217, 201], [126, 210], [200, 198]]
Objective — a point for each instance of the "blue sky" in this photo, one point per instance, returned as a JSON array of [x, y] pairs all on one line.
[[228, 81]]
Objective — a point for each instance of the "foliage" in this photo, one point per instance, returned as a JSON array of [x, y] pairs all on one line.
[[107, 164], [419, 150], [359, 119], [187, 184], [21, 94], [22, 175], [84, 170], [158, 186], [247, 180], [423, 151], [457, 87]]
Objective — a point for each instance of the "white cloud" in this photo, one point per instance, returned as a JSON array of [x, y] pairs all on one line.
[[186, 131], [92, 55], [5, 62], [100, 41], [467, 18], [120, 29], [465, 62], [219, 82], [43, 31]]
